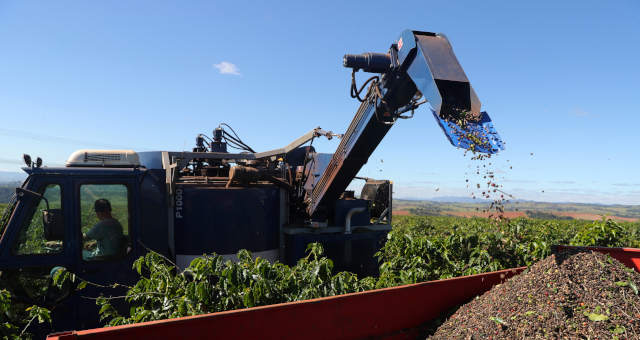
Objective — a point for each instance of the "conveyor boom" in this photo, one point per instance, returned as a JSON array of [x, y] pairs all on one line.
[[419, 64]]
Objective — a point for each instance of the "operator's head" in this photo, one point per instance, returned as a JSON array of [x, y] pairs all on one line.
[[102, 208]]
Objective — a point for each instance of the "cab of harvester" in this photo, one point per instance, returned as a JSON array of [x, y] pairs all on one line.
[[106, 208], [52, 211], [181, 205]]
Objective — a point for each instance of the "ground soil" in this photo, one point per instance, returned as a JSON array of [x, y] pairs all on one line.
[[514, 214], [587, 216], [486, 214], [570, 295]]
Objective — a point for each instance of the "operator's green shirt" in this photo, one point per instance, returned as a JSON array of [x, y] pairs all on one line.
[[108, 234]]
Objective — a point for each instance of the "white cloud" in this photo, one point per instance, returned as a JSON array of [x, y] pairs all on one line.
[[226, 67], [580, 112]]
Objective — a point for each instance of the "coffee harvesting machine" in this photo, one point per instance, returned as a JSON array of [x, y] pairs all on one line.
[[183, 204]]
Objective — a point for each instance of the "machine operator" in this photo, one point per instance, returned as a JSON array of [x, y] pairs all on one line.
[[107, 233]]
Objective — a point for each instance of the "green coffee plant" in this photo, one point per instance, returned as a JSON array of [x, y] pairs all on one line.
[[6, 214], [15, 320], [422, 248], [418, 249], [212, 284], [606, 233]]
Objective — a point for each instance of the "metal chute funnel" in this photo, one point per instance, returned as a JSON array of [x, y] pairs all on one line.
[[477, 136], [437, 74]]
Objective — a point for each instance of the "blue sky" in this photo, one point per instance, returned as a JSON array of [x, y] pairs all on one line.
[[559, 79]]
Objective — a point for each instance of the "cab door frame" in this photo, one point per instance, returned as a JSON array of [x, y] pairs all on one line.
[[63, 313], [23, 205], [105, 272], [133, 213]]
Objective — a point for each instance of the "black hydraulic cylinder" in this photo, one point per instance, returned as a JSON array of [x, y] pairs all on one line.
[[368, 62]]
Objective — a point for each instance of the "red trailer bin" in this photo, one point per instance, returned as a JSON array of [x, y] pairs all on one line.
[[390, 313]]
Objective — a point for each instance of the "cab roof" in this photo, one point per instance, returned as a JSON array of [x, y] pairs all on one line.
[[84, 171]]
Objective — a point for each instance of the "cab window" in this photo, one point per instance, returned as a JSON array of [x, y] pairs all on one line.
[[104, 221], [36, 238]]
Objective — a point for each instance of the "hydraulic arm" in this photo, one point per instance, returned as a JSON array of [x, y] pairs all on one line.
[[420, 67]]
